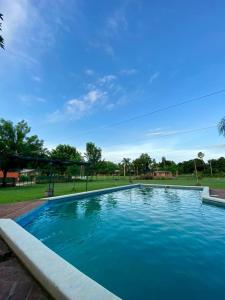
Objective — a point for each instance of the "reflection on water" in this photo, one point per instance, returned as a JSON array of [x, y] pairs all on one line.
[[111, 201], [92, 206], [141, 243]]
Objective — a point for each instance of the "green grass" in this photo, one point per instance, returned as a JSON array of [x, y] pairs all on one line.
[[26, 193]]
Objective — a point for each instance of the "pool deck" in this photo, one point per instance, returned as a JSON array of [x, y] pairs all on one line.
[[220, 193], [14, 210], [15, 281]]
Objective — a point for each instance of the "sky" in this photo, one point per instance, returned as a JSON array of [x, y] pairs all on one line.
[[113, 72]]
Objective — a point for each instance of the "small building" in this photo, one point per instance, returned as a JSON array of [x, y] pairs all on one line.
[[28, 172], [11, 178], [162, 174], [14, 175]]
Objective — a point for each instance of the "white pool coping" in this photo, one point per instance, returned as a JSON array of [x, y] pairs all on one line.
[[94, 192], [205, 192], [62, 280]]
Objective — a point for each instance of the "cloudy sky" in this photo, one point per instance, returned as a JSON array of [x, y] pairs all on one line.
[[118, 73]]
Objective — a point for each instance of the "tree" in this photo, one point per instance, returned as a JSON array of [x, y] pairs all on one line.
[[1, 38], [125, 162], [142, 163], [14, 140], [164, 162], [221, 127], [93, 155], [65, 153], [107, 167], [201, 155]]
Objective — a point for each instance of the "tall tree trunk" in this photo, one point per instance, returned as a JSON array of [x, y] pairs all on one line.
[[211, 171], [5, 171], [196, 171]]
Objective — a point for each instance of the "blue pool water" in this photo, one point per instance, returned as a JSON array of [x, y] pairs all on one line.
[[141, 243]]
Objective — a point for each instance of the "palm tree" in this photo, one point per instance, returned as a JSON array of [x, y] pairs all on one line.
[[1, 38], [125, 163], [221, 127], [201, 155], [164, 162]]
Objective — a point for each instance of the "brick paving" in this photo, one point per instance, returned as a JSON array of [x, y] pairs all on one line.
[[16, 283], [220, 193], [14, 210]]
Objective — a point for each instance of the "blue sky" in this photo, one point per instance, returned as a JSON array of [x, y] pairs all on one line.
[[75, 69]]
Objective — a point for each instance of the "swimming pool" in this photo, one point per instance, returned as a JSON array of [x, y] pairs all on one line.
[[140, 243]]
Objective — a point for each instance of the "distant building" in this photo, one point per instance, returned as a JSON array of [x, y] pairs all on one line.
[[14, 175], [28, 172], [162, 174]]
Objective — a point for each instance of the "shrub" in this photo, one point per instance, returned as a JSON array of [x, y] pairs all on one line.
[[144, 177]]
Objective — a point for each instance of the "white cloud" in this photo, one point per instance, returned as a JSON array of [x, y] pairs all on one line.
[[78, 107], [116, 22], [107, 79], [15, 18], [37, 78], [156, 150], [30, 99], [162, 132], [154, 77], [27, 33], [128, 71], [89, 72], [104, 45]]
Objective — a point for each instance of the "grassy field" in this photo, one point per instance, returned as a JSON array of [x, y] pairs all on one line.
[[26, 193]]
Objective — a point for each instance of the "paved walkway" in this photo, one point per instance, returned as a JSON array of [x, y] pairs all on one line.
[[220, 193], [14, 210], [16, 283]]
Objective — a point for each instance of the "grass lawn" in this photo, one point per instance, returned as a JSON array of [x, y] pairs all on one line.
[[26, 193]]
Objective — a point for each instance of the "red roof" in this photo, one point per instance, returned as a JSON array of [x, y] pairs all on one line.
[[10, 174]]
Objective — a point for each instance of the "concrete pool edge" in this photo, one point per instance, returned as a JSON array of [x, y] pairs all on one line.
[[25, 218], [28, 216], [62, 280], [206, 198], [58, 277], [210, 199]]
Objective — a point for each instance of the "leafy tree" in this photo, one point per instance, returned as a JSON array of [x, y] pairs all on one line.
[[107, 167], [66, 153], [14, 140], [221, 127], [188, 167], [93, 155], [142, 163], [164, 162], [1, 38], [217, 165]]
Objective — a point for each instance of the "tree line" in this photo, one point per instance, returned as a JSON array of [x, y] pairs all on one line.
[[15, 139]]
